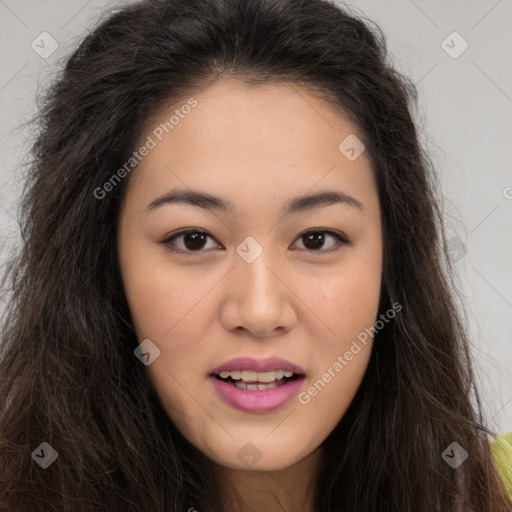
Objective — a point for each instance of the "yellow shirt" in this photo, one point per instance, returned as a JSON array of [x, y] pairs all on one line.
[[501, 449]]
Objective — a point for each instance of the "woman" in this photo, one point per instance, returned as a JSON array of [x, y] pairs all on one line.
[[311, 357]]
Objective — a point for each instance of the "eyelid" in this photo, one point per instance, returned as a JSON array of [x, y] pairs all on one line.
[[167, 241], [339, 236]]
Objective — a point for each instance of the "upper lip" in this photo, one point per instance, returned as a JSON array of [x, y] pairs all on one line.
[[258, 365]]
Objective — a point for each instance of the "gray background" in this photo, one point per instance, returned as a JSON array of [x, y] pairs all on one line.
[[464, 116]]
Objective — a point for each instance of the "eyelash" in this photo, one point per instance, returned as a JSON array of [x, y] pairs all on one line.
[[344, 241]]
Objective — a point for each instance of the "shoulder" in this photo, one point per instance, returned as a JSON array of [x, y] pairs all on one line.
[[501, 449]]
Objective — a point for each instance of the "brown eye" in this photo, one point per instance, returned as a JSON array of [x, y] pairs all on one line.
[[314, 240], [193, 241]]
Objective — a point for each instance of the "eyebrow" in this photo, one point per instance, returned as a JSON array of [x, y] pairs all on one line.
[[294, 205]]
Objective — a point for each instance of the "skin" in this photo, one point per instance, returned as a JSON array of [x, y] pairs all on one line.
[[257, 147]]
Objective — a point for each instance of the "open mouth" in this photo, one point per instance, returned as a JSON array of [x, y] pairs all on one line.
[[258, 390], [255, 385]]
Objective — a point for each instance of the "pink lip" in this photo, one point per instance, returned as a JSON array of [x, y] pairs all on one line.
[[265, 400], [255, 365]]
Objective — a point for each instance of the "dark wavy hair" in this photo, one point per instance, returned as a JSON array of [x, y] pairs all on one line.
[[68, 375]]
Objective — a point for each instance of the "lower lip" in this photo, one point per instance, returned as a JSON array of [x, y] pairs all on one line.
[[264, 400]]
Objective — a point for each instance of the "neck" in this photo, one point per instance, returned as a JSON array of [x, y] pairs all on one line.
[[290, 489]]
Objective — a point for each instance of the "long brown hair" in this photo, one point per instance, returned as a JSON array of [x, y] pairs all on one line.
[[68, 375]]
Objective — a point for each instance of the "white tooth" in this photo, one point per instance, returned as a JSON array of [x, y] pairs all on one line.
[[254, 387], [248, 376], [266, 376], [272, 385]]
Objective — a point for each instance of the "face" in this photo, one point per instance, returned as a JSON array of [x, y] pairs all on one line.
[[259, 275]]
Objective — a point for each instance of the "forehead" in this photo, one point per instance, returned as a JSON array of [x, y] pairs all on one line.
[[272, 139]]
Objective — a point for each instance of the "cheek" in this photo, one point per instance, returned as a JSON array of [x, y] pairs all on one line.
[[347, 306], [346, 302], [161, 297], [173, 308], [341, 353], [170, 308]]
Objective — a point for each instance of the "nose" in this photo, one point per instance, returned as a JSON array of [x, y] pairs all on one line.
[[259, 299]]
